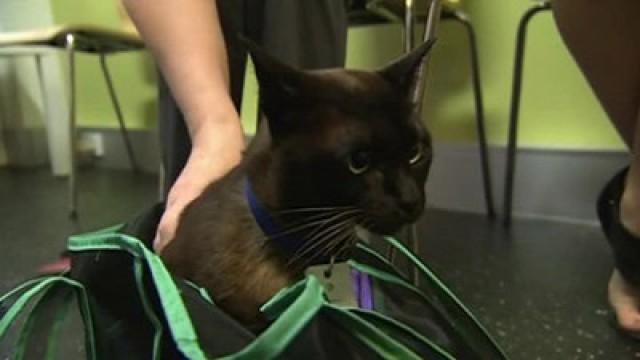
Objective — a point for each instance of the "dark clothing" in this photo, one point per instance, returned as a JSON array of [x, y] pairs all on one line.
[[305, 34]]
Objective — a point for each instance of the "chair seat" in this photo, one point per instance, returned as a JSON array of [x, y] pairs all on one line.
[[88, 38], [366, 12]]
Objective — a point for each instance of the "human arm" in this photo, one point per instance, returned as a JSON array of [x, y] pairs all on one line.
[[186, 40]]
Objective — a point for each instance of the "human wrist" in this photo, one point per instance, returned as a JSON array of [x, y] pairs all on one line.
[[219, 124], [217, 146]]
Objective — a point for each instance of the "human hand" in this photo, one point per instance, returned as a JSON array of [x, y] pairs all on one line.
[[214, 152]]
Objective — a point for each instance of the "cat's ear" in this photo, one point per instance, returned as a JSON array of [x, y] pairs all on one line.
[[280, 89], [403, 73], [276, 79]]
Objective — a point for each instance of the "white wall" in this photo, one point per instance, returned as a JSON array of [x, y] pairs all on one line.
[[22, 109]]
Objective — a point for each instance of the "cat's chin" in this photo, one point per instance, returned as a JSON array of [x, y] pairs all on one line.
[[384, 229]]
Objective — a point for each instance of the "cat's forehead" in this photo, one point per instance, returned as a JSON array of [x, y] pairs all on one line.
[[343, 83], [333, 128], [347, 108]]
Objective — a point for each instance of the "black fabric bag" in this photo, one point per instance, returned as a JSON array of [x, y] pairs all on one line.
[[132, 308]]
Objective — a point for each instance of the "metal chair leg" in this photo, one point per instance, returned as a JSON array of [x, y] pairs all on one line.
[[45, 97], [408, 32], [463, 19], [431, 26], [408, 44], [515, 107], [118, 111], [73, 186]]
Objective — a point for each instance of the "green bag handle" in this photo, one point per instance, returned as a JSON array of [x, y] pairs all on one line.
[[373, 337], [381, 321], [297, 304], [294, 307], [178, 319], [35, 317], [308, 297], [148, 309], [31, 289], [387, 322], [445, 294]]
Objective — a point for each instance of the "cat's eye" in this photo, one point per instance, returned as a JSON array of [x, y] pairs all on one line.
[[359, 162], [417, 152]]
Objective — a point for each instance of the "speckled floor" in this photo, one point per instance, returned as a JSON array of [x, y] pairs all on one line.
[[539, 288]]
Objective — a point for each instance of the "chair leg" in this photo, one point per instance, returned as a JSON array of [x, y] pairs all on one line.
[[409, 26], [73, 186], [45, 97], [118, 111], [430, 28], [408, 44], [431, 25], [463, 19], [515, 107]]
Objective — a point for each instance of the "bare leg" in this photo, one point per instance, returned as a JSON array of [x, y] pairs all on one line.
[[604, 38]]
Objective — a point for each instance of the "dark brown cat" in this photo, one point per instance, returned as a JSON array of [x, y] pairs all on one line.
[[339, 148]]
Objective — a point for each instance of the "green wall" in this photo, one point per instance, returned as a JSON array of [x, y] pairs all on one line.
[[133, 73], [558, 108]]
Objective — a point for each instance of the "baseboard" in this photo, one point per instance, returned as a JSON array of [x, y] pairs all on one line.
[[24, 147], [113, 151], [552, 184]]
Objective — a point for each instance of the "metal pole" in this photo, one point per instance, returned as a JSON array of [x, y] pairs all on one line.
[[73, 186], [479, 109], [431, 25], [409, 25], [433, 19], [118, 111], [515, 108]]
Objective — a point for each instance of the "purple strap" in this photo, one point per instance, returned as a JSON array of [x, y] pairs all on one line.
[[363, 289]]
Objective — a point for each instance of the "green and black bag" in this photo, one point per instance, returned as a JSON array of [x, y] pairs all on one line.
[[132, 308]]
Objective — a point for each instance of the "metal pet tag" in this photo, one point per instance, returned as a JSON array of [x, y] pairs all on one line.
[[337, 282]]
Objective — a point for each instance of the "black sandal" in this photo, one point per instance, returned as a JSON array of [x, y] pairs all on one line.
[[625, 246]]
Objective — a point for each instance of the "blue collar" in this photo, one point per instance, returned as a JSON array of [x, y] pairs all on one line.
[[291, 243]]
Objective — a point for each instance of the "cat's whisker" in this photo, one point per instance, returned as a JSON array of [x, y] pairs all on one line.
[[326, 238], [344, 224], [304, 224], [342, 244], [327, 216], [342, 241], [308, 247], [319, 238], [311, 236], [346, 245], [338, 242], [313, 209]]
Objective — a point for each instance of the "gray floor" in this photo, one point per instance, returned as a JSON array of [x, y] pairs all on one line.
[[539, 288]]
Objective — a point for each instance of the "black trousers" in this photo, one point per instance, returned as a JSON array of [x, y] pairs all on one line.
[[307, 34]]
